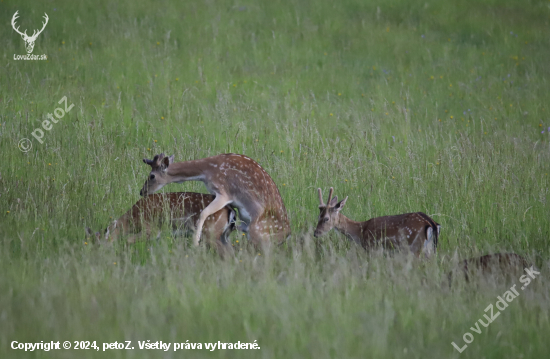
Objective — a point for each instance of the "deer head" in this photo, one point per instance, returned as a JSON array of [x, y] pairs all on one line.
[[93, 236], [158, 177], [29, 40], [330, 213]]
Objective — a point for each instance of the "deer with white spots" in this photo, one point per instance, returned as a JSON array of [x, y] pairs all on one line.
[[181, 210], [415, 231], [237, 181]]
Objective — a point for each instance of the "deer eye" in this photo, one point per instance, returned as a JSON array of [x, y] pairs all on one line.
[[152, 177]]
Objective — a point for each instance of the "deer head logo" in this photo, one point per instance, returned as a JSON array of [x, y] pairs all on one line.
[[29, 40]]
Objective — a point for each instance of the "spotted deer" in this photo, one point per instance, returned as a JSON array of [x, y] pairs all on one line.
[[181, 209], [237, 181], [415, 231]]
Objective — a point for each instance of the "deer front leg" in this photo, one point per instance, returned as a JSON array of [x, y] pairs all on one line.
[[218, 203]]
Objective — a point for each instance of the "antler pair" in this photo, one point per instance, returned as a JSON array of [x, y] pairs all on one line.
[[155, 162], [24, 34], [159, 161], [322, 204]]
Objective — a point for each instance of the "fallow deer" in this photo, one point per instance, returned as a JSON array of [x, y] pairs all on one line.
[[237, 181], [415, 231], [181, 209], [496, 263]]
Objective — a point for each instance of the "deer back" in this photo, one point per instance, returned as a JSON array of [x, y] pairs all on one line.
[[409, 229], [507, 263], [249, 184], [508, 266]]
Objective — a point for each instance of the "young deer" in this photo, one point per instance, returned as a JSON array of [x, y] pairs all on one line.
[[181, 209], [417, 231], [236, 181]]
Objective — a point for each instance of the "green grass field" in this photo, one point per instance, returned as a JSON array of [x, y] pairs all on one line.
[[404, 106]]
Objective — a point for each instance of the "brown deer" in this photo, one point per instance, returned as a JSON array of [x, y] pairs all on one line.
[[415, 231], [237, 181], [181, 209], [504, 263]]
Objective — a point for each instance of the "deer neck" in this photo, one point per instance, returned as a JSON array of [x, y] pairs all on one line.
[[349, 228], [187, 171]]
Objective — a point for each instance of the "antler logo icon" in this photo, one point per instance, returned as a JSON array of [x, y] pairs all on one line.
[[29, 40]]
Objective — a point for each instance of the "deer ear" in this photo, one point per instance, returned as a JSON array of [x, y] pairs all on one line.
[[158, 159], [340, 205], [333, 201], [166, 161]]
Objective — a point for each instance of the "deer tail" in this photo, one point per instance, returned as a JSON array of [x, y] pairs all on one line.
[[432, 229]]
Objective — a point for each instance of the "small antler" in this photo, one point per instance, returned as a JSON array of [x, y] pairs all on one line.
[[321, 203], [149, 162], [15, 16], [330, 195], [155, 162]]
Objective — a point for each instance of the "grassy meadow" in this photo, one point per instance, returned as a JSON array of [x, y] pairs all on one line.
[[404, 106]]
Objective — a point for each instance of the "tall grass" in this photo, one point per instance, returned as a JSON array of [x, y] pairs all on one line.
[[433, 106]]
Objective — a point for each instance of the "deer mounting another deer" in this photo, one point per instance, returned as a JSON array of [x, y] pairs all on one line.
[[415, 231], [181, 209], [237, 181]]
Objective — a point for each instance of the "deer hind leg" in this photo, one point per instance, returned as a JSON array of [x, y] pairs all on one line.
[[217, 204], [263, 235], [217, 230], [229, 226], [417, 241], [257, 235], [225, 250]]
